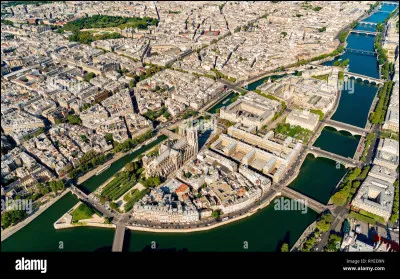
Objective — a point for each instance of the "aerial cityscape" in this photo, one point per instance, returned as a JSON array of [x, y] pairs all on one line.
[[213, 126]]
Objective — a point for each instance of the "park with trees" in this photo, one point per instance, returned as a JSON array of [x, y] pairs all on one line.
[[349, 185], [379, 113], [82, 212], [294, 131], [323, 225], [104, 21]]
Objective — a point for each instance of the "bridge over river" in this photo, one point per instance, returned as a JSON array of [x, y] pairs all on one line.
[[367, 23], [90, 199], [347, 162], [360, 51], [119, 235], [362, 77], [340, 126], [311, 203], [363, 32]]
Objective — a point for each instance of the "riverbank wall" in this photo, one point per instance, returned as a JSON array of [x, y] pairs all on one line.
[[206, 228], [10, 231], [83, 224], [304, 236]]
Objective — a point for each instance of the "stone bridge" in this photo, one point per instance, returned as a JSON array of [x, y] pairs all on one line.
[[390, 3], [119, 235], [360, 51], [340, 126], [311, 203], [364, 78], [363, 32], [367, 23], [347, 162]]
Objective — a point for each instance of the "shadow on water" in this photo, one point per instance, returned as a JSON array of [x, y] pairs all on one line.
[[149, 248], [127, 241], [286, 239], [104, 249], [318, 178], [341, 132], [339, 142]]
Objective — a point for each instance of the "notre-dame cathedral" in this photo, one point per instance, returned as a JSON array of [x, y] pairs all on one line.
[[173, 154]]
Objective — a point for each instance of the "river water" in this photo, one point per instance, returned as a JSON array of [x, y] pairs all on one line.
[[265, 230]]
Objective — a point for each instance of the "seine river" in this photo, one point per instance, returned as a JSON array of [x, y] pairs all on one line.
[[265, 230]]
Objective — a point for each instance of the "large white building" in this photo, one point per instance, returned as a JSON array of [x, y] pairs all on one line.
[[251, 110], [303, 118], [387, 154], [165, 213], [392, 114], [383, 173], [375, 196], [265, 154]]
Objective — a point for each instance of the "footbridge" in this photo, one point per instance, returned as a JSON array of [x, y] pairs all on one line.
[[119, 235], [390, 3], [363, 78], [360, 51], [368, 23], [363, 32], [340, 126], [347, 162], [311, 203]]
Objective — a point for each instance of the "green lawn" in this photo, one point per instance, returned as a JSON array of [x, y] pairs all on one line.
[[82, 212]]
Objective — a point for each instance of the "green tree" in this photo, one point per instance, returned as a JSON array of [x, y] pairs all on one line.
[[114, 206], [89, 76], [216, 214], [109, 138], [340, 198], [12, 217], [60, 185], [333, 243], [343, 36], [53, 186], [285, 247], [323, 226], [74, 119], [44, 190], [364, 172]]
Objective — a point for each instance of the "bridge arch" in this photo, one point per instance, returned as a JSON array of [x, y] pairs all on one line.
[[362, 78], [373, 82], [316, 155], [343, 131], [312, 154]]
